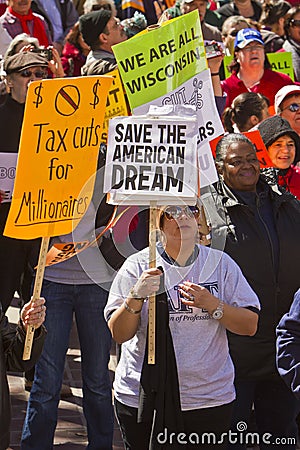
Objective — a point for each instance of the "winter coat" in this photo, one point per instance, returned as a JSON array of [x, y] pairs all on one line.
[[269, 259], [288, 348]]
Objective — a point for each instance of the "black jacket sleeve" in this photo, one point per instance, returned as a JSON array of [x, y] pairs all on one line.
[[13, 339], [288, 346]]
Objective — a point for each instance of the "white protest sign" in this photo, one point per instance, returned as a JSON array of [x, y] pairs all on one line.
[[198, 92], [206, 164], [151, 159], [8, 163]]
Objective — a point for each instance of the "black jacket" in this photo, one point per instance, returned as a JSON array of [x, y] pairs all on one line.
[[230, 9], [271, 270], [12, 341]]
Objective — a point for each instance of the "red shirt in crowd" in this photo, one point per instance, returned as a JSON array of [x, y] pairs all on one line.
[[269, 85], [291, 181]]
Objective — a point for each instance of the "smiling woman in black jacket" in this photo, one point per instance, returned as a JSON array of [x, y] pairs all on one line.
[[258, 226], [12, 339]]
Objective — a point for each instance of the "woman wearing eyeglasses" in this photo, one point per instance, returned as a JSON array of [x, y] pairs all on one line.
[[292, 43], [251, 70], [258, 225], [287, 105], [206, 295], [283, 145]]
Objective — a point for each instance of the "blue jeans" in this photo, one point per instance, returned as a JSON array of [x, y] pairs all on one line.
[[275, 408], [88, 302]]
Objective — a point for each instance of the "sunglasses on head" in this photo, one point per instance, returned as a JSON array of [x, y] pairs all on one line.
[[293, 107], [174, 212], [295, 23], [28, 73]]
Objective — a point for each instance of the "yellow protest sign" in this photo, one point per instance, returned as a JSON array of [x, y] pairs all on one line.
[[116, 103], [58, 153]]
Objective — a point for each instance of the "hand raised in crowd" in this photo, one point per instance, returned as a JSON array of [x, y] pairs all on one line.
[[215, 62], [55, 64], [33, 313]]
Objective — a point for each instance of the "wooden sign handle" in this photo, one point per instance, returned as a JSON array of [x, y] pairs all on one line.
[[36, 294], [203, 228], [151, 301]]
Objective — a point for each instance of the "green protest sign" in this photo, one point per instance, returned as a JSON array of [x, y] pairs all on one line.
[[282, 62], [157, 61]]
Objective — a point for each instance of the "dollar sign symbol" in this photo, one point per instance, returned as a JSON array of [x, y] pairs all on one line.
[[39, 98], [96, 97]]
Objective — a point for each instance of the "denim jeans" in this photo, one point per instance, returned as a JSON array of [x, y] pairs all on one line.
[[275, 408], [87, 302]]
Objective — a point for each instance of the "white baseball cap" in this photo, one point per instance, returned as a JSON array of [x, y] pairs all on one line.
[[283, 93]]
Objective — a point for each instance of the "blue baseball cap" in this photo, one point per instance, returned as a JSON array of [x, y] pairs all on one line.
[[247, 35]]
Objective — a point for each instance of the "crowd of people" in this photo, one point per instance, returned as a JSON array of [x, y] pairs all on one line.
[[227, 307]]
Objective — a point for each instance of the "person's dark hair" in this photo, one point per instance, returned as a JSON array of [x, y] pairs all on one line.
[[224, 144], [273, 11], [73, 35], [289, 17], [243, 107]]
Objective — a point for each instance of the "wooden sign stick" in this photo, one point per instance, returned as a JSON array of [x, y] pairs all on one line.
[[203, 228], [151, 301], [36, 294]]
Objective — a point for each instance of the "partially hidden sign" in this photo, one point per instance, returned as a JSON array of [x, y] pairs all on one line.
[[7, 174], [116, 103], [151, 159], [58, 153], [261, 151]]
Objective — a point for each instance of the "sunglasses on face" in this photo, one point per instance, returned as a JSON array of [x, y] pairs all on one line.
[[295, 23], [233, 33], [98, 7], [28, 73], [174, 212], [293, 107]]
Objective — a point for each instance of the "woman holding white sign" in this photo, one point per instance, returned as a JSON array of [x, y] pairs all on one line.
[[204, 293]]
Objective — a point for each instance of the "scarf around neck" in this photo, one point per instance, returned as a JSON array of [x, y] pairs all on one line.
[[39, 31]]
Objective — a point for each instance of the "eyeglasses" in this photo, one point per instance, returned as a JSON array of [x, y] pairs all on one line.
[[250, 48], [295, 23], [293, 107], [28, 73], [174, 212], [98, 7]]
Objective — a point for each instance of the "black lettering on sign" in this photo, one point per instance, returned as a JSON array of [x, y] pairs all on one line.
[[133, 62]]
